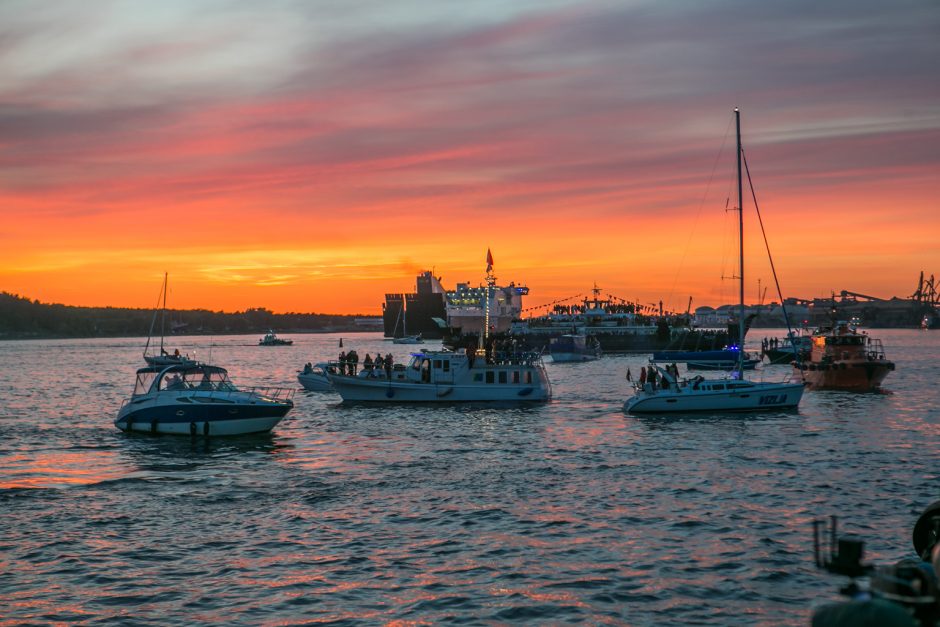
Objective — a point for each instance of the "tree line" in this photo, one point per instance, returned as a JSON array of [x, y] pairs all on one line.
[[24, 318]]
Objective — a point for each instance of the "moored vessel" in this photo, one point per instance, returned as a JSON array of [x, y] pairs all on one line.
[[668, 393], [199, 399], [574, 348], [444, 376], [841, 358], [314, 377]]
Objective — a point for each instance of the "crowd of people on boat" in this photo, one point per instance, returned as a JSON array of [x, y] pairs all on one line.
[[348, 364], [652, 377]]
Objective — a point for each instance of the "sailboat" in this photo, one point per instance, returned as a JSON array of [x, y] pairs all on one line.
[[164, 358], [666, 392], [405, 338]]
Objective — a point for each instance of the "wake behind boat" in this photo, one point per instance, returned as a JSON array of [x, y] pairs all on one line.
[[443, 376], [674, 395], [199, 399]]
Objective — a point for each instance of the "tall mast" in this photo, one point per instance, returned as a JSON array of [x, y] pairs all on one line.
[[737, 120], [163, 315]]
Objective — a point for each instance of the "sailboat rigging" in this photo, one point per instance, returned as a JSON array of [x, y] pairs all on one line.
[[665, 392], [164, 358]]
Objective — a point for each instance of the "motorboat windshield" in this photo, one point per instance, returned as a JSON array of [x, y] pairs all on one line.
[[175, 378]]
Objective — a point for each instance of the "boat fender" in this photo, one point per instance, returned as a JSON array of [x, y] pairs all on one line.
[[153, 426], [389, 393], [205, 428], [130, 423], [192, 428]]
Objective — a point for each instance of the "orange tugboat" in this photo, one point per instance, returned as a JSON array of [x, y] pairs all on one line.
[[841, 358]]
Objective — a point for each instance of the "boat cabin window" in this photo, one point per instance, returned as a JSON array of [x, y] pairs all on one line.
[[503, 376], [515, 376], [489, 376], [446, 365], [528, 376], [719, 386], [144, 381], [437, 364]]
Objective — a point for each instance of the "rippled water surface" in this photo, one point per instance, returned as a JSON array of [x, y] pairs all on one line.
[[567, 512]]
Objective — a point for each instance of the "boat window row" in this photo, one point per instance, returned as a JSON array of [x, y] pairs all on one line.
[[503, 376]]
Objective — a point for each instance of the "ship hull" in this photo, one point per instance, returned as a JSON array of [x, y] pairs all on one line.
[[849, 376]]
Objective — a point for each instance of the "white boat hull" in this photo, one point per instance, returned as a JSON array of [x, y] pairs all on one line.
[[315, 382], [757, 397]]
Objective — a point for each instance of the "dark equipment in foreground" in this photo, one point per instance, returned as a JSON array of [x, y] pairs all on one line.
[[904, 593]]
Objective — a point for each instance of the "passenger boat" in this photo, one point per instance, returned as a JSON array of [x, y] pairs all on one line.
[[669, 393], [314, 377], [844, 359], [573, 348], [199, 399], [271, 339], [443, 376]]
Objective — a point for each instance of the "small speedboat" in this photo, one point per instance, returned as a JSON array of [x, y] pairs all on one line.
[[314, 378], [200, 399], [408, 339], [443, 376]]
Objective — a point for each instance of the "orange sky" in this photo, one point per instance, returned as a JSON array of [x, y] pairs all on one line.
[[322, 160]]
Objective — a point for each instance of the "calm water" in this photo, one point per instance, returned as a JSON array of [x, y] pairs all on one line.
[[567, 512]]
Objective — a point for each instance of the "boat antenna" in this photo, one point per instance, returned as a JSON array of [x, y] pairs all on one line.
[[737, 122]]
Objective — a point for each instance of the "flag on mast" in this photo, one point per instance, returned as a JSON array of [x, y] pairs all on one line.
[[489, 260]]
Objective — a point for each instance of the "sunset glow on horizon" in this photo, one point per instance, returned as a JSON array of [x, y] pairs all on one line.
[[310, 157]]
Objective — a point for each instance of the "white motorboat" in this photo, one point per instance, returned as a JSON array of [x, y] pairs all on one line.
[[408, 339], [314, 377], [200, 399], [666, 393], [443, 376], [574, 348]]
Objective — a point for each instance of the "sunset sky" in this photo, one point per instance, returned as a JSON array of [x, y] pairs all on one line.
[[311, 156]]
